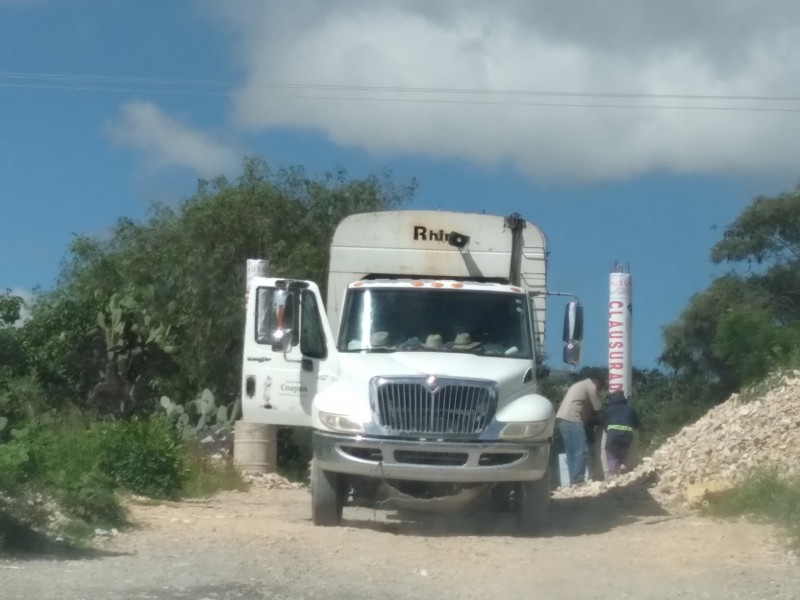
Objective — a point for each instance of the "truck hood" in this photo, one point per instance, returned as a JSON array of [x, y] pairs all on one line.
[[349, 395], [358, 369]]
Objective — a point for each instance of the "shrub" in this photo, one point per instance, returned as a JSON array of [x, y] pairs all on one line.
[[205, 477], [13, 461], [21, 401], [294, 452], [145, 457], [81, 466], [63, 461]]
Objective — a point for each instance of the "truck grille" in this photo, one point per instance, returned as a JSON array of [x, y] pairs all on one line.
[[420, 406]]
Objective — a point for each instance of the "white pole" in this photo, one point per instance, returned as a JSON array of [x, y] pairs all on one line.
[[256, 267], [620, 367], [264, 436], [620, 325]]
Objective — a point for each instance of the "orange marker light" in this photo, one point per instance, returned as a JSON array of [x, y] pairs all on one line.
[[458, 285], [437, 284], [417, 283]]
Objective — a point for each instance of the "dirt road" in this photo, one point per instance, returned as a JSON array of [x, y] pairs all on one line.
[[260, 544]]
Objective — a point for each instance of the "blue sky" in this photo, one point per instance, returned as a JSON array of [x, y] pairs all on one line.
[[627, 135]]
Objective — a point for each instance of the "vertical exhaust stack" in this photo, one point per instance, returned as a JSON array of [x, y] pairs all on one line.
[[620, 318]]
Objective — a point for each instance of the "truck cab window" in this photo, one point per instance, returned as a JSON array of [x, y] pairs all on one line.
[[312, 337], [275, 309], [263, 313], [420, 320]]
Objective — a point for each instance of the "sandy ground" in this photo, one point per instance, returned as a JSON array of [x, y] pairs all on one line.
[[261, 544]]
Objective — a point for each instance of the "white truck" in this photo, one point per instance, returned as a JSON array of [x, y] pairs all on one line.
[[423, 376]]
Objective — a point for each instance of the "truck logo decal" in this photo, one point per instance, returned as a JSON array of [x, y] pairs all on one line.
[[294, 388], [426, 235], [431, 384], [459, 240], [266, 392], [258, 358]]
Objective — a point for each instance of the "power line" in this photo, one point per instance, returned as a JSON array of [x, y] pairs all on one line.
[[106, 84], [402, 89], [424, 100]]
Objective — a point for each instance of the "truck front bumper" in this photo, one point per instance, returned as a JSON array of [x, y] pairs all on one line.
[[433, 461]]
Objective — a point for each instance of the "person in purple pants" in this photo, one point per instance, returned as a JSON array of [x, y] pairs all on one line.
[[621, 420]]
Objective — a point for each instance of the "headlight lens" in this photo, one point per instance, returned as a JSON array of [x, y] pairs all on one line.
[[523, 431], [340, 423]]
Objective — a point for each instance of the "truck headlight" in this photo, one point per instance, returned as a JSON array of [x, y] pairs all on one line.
[[523, 431], [340, 423]]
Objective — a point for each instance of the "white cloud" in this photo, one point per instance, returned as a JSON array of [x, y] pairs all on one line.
[[168, 142], [714, 48]]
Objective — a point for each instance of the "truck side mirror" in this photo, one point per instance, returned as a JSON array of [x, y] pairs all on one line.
[[573, 332], [573, 322]]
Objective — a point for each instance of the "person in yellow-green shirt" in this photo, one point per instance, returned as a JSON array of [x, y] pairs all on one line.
[[621, 419]]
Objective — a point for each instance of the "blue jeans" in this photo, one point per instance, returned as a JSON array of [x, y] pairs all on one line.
[[577, 449]]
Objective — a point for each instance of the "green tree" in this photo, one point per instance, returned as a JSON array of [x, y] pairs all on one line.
[[768, 231], [63, 346], [137, 347], [11, 357], [666, 402], [22, 396], [193, 259], [766, 236], [746, 322], [691, 348], [10, 308], [750, 343]]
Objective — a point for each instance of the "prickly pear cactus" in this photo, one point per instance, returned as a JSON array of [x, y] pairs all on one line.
[[199, 417], [135, 343]]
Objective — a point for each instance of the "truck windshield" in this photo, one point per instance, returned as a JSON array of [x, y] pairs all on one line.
[[435, 320]]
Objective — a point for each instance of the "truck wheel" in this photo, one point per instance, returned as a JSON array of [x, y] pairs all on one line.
[[328, 495], [533, 503]]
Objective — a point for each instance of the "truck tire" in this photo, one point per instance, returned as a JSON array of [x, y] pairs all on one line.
[[533, 504], [328, 495]]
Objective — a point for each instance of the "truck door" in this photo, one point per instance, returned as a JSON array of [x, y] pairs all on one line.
[[289, 354]]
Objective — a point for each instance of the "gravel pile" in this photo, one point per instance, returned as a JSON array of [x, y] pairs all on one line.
[[727, 443], [270, 481]]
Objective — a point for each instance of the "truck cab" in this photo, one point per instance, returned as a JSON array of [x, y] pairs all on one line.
[[421, 377]]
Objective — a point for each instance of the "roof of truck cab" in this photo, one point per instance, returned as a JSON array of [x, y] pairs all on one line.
[[416, 244], [442, 284]]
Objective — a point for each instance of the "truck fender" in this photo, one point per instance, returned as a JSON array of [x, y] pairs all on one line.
[[338, 399], [531, 407]]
